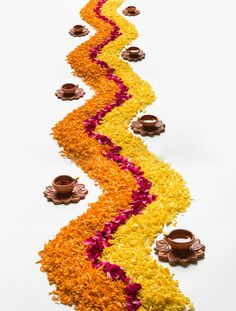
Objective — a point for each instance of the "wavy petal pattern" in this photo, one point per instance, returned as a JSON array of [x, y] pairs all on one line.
[[133, 241], [64, 258], [112, 162]]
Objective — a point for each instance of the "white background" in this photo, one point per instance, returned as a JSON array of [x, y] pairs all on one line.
[[190, 61]]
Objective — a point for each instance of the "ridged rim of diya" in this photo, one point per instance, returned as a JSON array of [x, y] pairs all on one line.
[[148, 125], [69, 91], [131, 11], [180, 247], [79, 31], [133, 54], [64, 190]]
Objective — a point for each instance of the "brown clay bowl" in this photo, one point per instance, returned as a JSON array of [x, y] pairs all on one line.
[[134, 51], [180, 239], [131, 9], [78, 29], [64, 184], [69, 89], [148, 120]]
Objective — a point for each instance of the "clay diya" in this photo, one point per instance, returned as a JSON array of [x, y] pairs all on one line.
[[180, 247], [148, 125], [133, 54], [69, 91], [131, 11], [65, 190], [148, 121], [78, 31], [64, 184]]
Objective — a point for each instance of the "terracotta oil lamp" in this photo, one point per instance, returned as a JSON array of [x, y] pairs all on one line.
[[65, 190], [64, 184], [180, 240], [69, 89], [131, 9], [78, 29], [134, 51], [180, 247], [148, 121]]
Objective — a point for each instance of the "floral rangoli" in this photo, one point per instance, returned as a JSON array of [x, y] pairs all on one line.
[[102, 259]]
